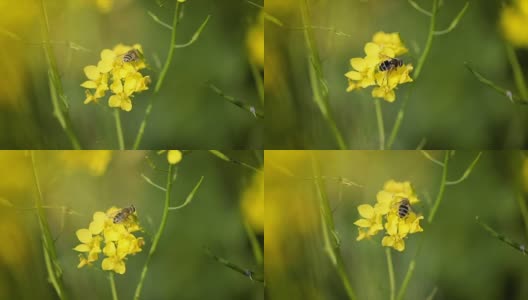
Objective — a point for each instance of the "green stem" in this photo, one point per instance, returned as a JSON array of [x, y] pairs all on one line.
[[257, 251], [524, 211], [58, 99], [391, 273], [504, 92], [175, 22], [112, 285], [428, 43], [416, 74], [157, 237], [440, 194], [381, 129], [407, 279], [259, 82], [515, 245], [332, 245], [119, 129], [317, 81], [50, 253], [517, 72]]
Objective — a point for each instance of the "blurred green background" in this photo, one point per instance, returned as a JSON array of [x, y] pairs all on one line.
[[448, 107], [186, 112], [458, 257], [86, 182]]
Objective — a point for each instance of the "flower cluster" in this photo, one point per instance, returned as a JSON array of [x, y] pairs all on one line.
[[386, 211], [118, 238], [384, 48], [124, 76], [514, 21]]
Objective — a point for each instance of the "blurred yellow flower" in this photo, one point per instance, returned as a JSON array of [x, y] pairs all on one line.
[[255, 41], [94, 161], [252, 204], [104, 6], [380, 67], [174, 156], [514, 21], [118, 238], [122, 65], [387, 207]]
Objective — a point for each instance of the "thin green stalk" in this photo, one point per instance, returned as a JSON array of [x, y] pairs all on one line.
[[416, 74], [119, 129], [246, 272], [112, 285], [157, 237], [224, 157], [428, 43], [381, 128], [392, 282], [517, 71], [255, 246], [175, 22], [332, 245], [407, 278], [524, 211], [50, 253], [440, 194], [317, 81], [504, 92], [515, 245], [58, 99], [259, 81]]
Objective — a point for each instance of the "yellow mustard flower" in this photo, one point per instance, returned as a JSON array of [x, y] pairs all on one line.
[[252, 204], [174, 156], [118, 238], [380, 67], [514, 21], [124, 74], [255, 41], [104, 6], [386, 210], [95, 161]]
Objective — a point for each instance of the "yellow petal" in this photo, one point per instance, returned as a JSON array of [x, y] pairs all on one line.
[[358, 63], [116, 86], [82, 248], [105, 66], [108, 55], [362, 223], [108, 264], [353, 75], [109, 249], [130, 85], [114, 101], [126, 104], [372, 49], [366, 211], [84, 235], [119, 267], [362, 234], [399, 245], [89, 84], [92, 72], [387, 241], [89, 97]]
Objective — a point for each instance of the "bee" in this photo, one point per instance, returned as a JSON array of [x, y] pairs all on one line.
[[123, 214], [132, 55], [390, 64], [404, 208]]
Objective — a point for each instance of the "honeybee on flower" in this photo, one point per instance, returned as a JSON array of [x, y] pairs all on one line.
[[392, 212], [121, 66], [380, 67]]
